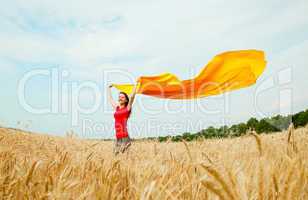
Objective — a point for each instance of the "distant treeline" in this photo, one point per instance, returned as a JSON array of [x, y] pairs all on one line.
[[265, 125]]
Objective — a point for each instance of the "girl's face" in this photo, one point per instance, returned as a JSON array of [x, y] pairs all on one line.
[[122, 99]]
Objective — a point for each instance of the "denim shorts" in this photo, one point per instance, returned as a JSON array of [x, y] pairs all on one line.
[[121, 145]]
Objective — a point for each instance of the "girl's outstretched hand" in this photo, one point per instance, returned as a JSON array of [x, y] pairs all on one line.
[[138, 80], [112, 101]]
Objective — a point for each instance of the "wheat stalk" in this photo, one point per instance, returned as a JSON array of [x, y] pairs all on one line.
[[38, 166]]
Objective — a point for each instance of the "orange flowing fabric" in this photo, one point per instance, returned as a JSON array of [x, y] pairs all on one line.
[[225, 72]]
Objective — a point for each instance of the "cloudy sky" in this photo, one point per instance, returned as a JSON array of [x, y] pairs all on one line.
[[57, 57]]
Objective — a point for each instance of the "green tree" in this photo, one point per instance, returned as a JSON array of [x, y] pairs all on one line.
[[162, 139], [300, 119], [265, 127], [252, 123], [280, 122], [188, 137], [242, 128]]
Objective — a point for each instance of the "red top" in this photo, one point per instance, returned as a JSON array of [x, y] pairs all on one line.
[[121, 115]]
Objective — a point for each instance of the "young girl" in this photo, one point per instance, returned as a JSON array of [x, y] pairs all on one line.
[[122, 112]]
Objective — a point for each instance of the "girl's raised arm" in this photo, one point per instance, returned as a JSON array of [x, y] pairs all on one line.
[[112, 101], [132, 97]]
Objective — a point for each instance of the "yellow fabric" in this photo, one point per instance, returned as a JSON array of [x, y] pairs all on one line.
[[225, 72]]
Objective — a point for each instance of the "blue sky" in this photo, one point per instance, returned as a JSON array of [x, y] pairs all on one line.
[[87, 38]]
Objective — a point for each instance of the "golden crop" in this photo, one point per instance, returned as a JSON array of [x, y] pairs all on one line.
[[35, 166]]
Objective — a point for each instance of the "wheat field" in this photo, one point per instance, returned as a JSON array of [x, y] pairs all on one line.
[[266, 166]]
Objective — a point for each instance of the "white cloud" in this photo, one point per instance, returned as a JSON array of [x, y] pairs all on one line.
[[151, 37], [165, 33]]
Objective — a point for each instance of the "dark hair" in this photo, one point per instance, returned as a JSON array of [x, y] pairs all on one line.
[[127, 101], [126, 97]]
